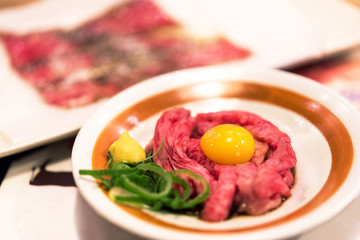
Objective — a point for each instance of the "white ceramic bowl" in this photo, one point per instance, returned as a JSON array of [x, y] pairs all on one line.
[[323, 127]]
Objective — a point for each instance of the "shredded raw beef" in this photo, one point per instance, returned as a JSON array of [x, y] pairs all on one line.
[[176, 127], [222, 194], [133, 41], [254, 187], [260, 189]]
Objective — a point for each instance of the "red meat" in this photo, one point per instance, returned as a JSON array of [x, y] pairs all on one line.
[[176, 127], [259, 189], [254, 187], [135, 16], [110, 53], [223, 191]]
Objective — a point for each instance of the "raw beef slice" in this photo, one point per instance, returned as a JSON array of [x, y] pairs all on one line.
[[133, 41]]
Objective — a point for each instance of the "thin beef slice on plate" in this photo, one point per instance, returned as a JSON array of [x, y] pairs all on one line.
[[131, 42]]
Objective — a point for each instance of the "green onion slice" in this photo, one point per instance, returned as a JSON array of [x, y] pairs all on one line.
[[145, 193], [199, 198], [147, 184]]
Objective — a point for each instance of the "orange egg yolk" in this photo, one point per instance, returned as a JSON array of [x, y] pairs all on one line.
[[228, 144]]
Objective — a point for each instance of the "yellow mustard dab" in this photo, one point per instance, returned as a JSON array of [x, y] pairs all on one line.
[[126, 149]]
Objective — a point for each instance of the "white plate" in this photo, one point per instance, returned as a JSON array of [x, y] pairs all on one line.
[[279, 33], [323, 127]]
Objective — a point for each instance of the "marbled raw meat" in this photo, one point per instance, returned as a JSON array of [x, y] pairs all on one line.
[[133, 41], [254, 187]]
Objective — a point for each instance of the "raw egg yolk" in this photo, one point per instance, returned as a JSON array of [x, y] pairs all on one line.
[[228, 144]]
